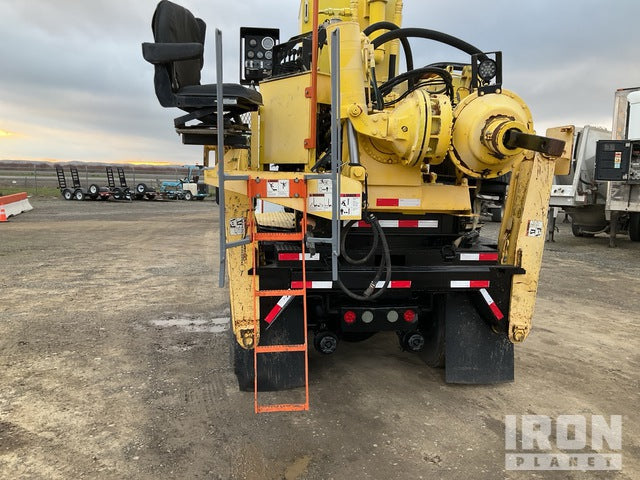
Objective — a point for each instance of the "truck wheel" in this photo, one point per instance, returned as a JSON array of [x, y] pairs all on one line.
[[497, 214], [141, 188], [78, 195], [578, 232], [433, 330], [67, 194], [325, 342], [634, 226], [117, 194], [188, 196], [94, 190]]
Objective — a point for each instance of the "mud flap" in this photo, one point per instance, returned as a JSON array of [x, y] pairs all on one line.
[[276, 371], [474, 353]]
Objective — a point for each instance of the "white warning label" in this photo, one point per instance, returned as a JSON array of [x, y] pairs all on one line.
[[324, 186], [277, 188], [535, 228], [617, 160], [236, 226], [350, 205], [319, 202]]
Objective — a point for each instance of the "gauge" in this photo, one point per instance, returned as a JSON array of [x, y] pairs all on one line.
[[267, 43], [251, 54], [268, 55], [259, 54], [253, 42]]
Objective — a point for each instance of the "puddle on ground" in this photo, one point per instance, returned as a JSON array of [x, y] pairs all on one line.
[[194, 325]]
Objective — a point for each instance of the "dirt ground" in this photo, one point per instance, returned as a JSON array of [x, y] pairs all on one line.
[[114, 363]]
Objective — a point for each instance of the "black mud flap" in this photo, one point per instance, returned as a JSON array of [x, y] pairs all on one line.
[[276, 371], [474, 353]]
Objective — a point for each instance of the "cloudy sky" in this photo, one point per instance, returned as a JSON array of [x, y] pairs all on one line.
[[74, 86]]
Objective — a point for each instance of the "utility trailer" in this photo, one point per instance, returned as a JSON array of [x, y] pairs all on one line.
[[371, 168], [76, 191], [122, 192]]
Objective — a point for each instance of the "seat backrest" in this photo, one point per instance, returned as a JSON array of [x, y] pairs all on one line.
[[175, 24]]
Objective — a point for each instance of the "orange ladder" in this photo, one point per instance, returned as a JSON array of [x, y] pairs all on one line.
[[263, 189]]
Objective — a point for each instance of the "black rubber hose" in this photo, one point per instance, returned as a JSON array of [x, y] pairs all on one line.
[[406, 46], [367, 257], [384, 264], [429, 35], [418, 72]]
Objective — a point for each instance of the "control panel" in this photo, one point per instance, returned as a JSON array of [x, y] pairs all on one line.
[[618, 161], [256, 52]]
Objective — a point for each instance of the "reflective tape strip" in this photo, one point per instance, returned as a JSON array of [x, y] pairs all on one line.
[[470, 284], [275, 311], [397, 202], [395, 284], [297, 284], [400, 224], [478, 257], [298, 256], [492, 305]]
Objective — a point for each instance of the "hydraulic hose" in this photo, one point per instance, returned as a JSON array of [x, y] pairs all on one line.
[[385, 264], [418, 72], [429, 35], [408, 54]]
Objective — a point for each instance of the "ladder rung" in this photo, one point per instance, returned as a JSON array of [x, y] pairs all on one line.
[[280, 293], [281, 348], [276, 237], [282, 407]]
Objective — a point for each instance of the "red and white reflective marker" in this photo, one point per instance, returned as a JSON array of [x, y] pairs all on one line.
[[395, 284], [275, 311], [478, 257], [400, 224], [492, 305], [397, 202], [298, 257], [297, 284], [470, 284]]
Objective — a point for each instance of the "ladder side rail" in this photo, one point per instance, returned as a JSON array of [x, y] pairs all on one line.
[[336, 152], [220, 159]]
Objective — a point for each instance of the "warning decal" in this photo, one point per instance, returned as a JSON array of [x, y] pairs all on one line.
[[350, 205], [617, 161], [236, 226], [277, 188], [535, 228]]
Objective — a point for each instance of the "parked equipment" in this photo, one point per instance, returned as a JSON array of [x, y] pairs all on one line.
[[118, 193], [76, 191], [618, 164], [187, 188], [371, 168], [579, 193]]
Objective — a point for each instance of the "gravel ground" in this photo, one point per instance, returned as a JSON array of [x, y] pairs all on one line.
[[115, 363]]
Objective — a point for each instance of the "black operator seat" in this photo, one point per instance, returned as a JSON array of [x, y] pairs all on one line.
[[177, 55]]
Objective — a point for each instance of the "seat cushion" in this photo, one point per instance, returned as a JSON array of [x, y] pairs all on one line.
[[205, 95]]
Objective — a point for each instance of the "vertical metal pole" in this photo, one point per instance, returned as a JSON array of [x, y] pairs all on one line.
[[220, 158], [35, 178], [336, 151]]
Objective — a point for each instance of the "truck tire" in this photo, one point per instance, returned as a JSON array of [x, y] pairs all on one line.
[[433, 330], [188, 196], [94, 190], [141, 188], [117, 194], [78, 195], [67, 194], [496, 214], [578, 232], [634, 226]]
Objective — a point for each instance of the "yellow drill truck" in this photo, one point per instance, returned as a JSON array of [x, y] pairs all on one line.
[[346, 180]]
